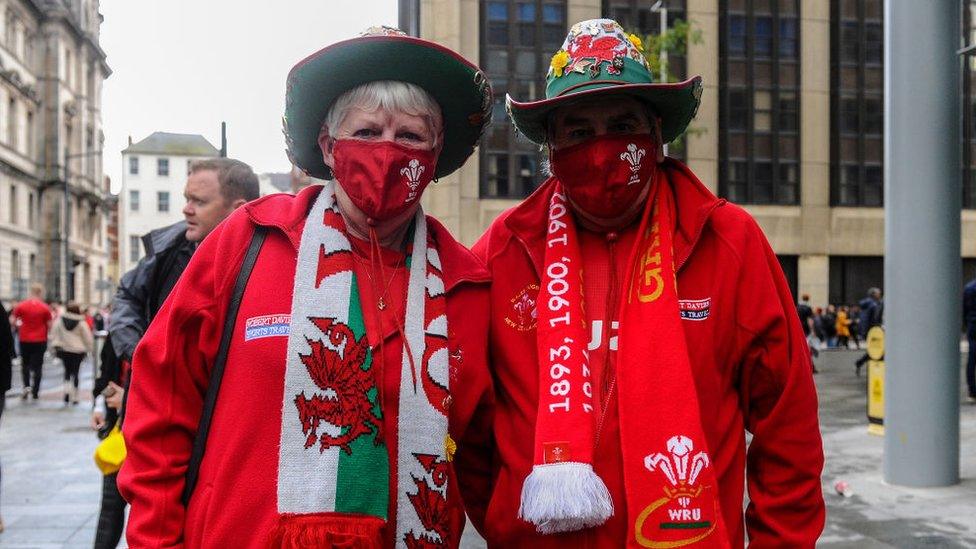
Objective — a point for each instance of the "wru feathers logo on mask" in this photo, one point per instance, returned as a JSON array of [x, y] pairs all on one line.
[[633, 156]]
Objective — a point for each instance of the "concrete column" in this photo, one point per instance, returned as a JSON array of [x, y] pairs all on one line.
[[813, 275], [702, 139], [922, 196]]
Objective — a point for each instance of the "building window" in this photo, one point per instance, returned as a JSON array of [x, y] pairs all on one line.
[[30, 210], [518, 39], [969, 107], [759, 102], [134, 243], [162, 201], [134, 201], [12, 123], [162, 167], [857, 103], [12, 213], [16, 283], [29, 146], [851, 276], [134, 165]]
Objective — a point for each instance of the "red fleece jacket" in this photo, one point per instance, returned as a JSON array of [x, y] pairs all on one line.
[[235, 501], [750, 363]]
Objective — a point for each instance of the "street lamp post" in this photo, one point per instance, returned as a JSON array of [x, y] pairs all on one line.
[[662, 9]]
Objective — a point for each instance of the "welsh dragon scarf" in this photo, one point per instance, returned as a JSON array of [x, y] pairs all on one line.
[[671, 489], [333, 470]]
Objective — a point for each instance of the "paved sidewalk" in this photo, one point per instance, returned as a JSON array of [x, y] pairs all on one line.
[[51, 488]]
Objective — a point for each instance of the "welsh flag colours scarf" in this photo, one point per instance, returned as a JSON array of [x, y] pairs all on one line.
[[671, 489], [333, 469]]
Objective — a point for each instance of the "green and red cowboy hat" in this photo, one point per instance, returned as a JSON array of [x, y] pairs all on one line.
[[597, 59], [383, 53]]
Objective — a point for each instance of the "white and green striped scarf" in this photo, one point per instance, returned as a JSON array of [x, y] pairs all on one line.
[[333, 469]]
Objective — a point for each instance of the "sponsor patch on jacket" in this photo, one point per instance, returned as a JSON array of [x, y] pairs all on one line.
[[258, 327], [523, 315], [695, 309]]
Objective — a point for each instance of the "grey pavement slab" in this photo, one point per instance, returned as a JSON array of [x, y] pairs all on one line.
[[51, 488]]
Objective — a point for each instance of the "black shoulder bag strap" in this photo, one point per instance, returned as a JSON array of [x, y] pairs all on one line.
[[217, 373]]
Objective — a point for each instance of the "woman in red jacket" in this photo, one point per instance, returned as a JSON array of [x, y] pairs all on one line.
[[357, 360]]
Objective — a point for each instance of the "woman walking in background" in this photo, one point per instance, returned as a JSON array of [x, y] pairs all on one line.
[[843, 326], [72, 339]]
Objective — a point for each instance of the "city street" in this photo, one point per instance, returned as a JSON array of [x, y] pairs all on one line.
[[51, 487]]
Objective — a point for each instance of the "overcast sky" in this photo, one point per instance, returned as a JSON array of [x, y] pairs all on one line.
[[184, 66]]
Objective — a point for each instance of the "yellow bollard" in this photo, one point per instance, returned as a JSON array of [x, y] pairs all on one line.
[[876, 373]]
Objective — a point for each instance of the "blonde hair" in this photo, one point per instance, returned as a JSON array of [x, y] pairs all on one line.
[[390, 95]]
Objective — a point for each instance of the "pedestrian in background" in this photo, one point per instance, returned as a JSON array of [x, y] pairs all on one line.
[[818, 327], [214, 189], [855, 316], [829, 324], [872, 312], [969, 320], [33, 318], [72, 339], [843, 327], [6, 368]]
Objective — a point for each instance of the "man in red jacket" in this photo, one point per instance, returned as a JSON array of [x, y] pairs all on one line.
[[33, 317], [640, 328]]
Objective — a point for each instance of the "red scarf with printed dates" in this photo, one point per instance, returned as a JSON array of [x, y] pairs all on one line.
[[671, 488]]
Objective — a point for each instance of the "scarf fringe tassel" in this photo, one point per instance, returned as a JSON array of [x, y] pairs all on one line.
[[327, 530], [564, 497]]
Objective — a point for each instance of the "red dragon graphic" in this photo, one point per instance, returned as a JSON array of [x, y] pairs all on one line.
[[589, 53], [431, 505], [343, 401]]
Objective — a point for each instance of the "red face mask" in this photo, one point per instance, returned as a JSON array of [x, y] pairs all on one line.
[[605, 175], [383, 179]]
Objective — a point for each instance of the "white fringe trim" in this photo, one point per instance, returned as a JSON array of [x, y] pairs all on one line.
[[564, 497]]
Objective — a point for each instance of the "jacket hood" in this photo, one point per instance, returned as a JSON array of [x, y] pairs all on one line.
[[693, 201], [71, 320], [164, 238], [288, 212]]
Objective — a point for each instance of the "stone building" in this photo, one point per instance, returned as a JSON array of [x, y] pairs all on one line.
[[52, 191], [790, 125]]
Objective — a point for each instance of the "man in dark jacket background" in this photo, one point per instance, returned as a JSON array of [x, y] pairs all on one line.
[[214, 188], [872, 312], [969, 320]]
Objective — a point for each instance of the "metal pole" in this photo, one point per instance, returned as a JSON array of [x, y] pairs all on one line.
[[922, 265], [661, 7], [408, 16], [64, 290]]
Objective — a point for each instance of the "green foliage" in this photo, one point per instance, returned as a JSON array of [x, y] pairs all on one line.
[[674, 41]]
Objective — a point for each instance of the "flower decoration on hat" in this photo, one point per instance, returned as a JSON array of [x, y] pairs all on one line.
[[636, 41], [594, 46], [559, 62]]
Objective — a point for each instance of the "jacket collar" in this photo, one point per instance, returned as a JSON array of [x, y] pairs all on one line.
[[287, 213], [694, 204], [159, 240]]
